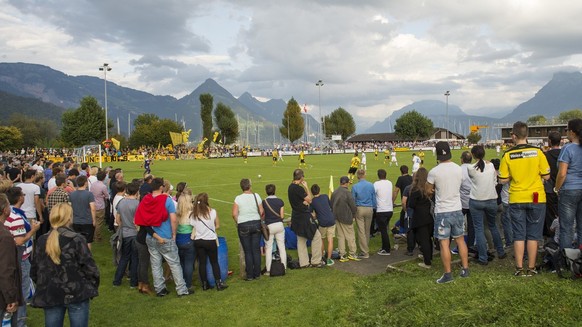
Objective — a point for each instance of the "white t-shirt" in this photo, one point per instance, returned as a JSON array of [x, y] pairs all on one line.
[[483, 183], [363, 158], [383, 189], [52, 183], [29, 190], [247, 208], [205, 232], [446, 178], [393, 155]]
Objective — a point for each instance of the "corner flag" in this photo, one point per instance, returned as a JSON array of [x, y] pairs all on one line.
[[330, 191]]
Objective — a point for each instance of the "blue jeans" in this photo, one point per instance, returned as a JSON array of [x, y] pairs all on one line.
[[128, 256], [249, 234], [187, 254], [78, 315], [506, 221], [570, 212], [168, 252], [481, 211], [527, 221], [449, 224], [21, 313]]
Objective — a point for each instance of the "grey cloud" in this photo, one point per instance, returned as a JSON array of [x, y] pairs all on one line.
[[158, 28]]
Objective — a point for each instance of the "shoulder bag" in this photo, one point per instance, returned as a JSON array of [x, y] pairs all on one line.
[[264, 227]]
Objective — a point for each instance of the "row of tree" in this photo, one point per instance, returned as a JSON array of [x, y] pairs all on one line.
[[86, 125]]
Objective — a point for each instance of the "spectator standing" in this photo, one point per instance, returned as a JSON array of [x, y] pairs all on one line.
[[126, 209], [205, 221], [274, 213], [525, 166], [401, 183], [483, 204], [10, 267], [185, 236], [247, 211], [445, 181], [31, 206], [365, 198], [64, 271], [23, 231], [302, 223], [384, 209], [422, 222], [83, 203], [321, 208], [569, 186], [554, 140], [101, 195], [157, 210], [344, 210], [466, 159]]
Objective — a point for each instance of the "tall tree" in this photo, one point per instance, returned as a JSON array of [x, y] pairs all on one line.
[[292, 122], [10, 138], [85, 124], [474, 138], [536, 120], [340, 122], [35, 131], [206, 114], [412, 126], [150, 130], [565, 116], [226, 123]]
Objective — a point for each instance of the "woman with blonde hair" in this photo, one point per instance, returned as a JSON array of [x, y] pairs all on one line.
[[205, 222], [64, 271], [184, 237]]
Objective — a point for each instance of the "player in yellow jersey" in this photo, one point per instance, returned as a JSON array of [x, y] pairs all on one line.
[[354, 165], [421, 156], [302, 159], [376, 154], [244, 154], [386, 155], [275, 157]]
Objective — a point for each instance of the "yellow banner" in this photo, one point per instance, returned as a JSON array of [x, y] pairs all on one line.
[[116, 143], [176, 138]]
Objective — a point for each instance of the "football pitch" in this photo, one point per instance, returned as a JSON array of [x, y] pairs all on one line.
[[408, 296]]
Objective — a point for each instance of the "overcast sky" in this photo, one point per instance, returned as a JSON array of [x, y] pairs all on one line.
[[374, 57]]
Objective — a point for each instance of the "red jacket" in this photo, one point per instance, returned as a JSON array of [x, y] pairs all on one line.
[[151, 211]]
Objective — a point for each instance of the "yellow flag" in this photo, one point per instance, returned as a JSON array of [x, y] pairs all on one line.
[[116, 143], [330, 191]]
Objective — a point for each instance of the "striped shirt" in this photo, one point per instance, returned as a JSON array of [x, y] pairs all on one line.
[[18, 226]]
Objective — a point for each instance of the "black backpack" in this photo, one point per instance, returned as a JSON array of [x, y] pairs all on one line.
[[277, 268], [573, 263]]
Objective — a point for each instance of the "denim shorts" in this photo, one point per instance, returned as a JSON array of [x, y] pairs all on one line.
[[447, 224], [527, 220]]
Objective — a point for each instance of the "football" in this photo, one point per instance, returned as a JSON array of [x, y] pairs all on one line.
[[259, 176]]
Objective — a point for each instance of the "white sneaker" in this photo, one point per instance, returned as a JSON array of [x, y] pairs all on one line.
[[383, 252], [423, 265]]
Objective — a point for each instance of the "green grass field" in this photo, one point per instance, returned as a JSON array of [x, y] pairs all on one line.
[[326, 297]]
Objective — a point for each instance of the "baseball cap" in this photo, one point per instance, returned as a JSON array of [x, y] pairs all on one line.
[[443, 151], [344, 179]]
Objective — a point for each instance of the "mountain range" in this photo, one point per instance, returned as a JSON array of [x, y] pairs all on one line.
[[49, 92]]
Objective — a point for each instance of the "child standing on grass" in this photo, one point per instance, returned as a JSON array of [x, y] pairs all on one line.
[[321, 210]]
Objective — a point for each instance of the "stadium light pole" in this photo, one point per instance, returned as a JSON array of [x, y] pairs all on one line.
[[319, 84], [105, 68], [447, 97]]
